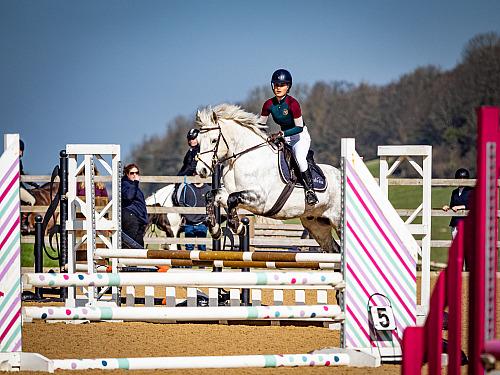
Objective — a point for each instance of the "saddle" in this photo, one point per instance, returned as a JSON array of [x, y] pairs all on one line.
[[289, 168]]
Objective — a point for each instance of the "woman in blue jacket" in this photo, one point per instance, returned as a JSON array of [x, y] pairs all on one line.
[[134, 213]]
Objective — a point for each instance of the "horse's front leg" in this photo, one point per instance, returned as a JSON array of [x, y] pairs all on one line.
[[214, 198], [245, 197]]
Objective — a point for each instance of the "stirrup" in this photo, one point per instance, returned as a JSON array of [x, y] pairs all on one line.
[[311, 197]]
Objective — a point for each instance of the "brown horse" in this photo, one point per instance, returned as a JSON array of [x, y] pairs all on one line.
[[43, 198]]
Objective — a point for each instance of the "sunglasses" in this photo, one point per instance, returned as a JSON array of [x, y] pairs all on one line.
[[133, 172]]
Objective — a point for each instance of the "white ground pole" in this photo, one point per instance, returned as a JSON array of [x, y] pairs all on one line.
[[425, 171], [95, 224]]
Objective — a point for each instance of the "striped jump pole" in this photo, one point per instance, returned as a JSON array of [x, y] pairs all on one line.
[[228, 263], [269, 256], [169, 363]]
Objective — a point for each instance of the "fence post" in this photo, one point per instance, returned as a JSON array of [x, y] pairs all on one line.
[[245, 246], [63, 215], [38, 251]]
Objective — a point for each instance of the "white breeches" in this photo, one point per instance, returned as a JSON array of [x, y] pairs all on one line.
[[300, 144], [26, 197]]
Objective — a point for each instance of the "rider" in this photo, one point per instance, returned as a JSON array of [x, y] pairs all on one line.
[[286, 112]]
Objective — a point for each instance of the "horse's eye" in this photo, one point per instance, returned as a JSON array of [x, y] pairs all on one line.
[[214, 140]]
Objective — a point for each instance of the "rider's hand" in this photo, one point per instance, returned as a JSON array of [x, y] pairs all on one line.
[[274, 137]]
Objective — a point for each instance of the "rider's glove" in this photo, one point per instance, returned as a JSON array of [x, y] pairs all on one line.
[[275, 137]]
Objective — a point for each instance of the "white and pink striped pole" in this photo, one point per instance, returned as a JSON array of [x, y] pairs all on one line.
[[10, 247]]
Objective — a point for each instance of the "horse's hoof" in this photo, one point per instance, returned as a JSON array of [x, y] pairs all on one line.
[[233, 223], [241, 229], [216, 232]]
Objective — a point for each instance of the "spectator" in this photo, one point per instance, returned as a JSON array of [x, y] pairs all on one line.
[[459, 200], [134, 213], [193, 195], [100, 189]]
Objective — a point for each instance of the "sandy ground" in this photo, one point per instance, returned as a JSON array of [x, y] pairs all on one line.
[[106, 339]]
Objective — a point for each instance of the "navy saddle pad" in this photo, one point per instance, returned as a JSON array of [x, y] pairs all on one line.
[[318, 176]]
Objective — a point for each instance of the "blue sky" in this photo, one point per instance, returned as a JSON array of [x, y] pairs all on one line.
[[118, 71]]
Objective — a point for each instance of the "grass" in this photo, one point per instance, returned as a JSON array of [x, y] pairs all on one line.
[[27, 257]]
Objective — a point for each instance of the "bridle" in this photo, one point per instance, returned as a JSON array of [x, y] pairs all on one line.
[[215, 160]]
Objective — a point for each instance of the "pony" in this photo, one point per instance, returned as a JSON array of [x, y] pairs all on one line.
[[169, 223], [43, 197], [250, 177]]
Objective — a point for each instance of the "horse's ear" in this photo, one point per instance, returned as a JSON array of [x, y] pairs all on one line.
[[198, 115], [214, 117]]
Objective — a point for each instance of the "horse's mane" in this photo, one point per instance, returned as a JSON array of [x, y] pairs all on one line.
[[230, 112]]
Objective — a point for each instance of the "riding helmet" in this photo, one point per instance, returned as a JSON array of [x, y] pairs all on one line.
[[21, 145], [462, 173], [281, 76], [192, 134]]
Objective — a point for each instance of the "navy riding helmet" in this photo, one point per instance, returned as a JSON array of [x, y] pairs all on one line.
[[192, 134], [281, 76], [462, 173], [21, 145]]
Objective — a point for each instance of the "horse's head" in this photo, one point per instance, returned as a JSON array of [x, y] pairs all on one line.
[[219, 139], [213, 144]]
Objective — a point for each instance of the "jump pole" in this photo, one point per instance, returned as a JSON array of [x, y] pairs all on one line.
[[181, 314], [269, 256], [168, 363], [200, 279], [227, 264]]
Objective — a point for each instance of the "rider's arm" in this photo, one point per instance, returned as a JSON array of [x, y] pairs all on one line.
[[299, 126]]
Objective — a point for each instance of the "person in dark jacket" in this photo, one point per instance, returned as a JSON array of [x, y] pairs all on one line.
[[459, 200], [189, 163], [193, 195], [134, 213]]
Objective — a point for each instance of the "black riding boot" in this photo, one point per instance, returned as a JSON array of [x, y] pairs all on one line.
[[311, 197]]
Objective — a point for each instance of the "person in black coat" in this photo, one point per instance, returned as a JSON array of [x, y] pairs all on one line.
[[459, 200], [134, 213], [189, 162]]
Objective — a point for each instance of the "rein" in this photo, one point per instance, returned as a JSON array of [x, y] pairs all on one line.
[[216, 161]]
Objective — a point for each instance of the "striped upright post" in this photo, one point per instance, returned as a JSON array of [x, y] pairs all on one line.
[[379, 263], [10, 248]]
